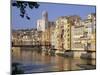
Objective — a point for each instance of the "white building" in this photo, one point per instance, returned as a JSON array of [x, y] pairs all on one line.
[[42, 24]]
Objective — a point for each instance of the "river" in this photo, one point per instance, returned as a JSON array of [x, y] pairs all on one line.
[[33, 61]]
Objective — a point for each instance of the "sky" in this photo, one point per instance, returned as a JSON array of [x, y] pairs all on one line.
[[54, 11]]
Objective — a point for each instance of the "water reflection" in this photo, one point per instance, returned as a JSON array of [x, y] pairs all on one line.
[[42, 62]]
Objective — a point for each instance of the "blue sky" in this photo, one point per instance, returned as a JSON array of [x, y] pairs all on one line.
[[54, 11]]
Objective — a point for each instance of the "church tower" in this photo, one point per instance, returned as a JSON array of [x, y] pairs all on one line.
[[42, 24], [45, 18]]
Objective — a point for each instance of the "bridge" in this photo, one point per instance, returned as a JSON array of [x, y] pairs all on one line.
[[30, 45]]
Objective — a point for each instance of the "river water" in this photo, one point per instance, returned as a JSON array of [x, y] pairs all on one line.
[[33, 61]]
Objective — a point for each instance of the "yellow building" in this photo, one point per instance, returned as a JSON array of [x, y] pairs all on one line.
[[52, 33], [77, 33], [90, 29], [63, 34], [47, 34]]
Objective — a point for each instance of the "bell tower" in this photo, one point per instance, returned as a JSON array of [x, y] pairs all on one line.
[[45, 18]]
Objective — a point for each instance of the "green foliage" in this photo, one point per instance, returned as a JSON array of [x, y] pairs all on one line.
[[22, 7]]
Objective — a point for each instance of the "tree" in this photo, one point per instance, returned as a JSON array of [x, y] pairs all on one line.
[[22, 7]]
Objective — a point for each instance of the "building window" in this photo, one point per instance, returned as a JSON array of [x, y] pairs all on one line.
[[67, 30], [68, 39], [62, 33], [68, 45]]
